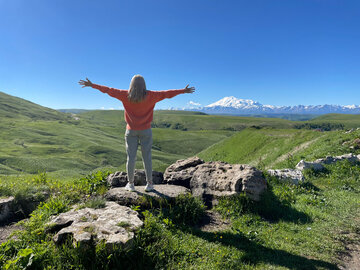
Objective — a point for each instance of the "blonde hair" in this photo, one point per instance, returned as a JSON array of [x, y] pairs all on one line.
[[137, 89]]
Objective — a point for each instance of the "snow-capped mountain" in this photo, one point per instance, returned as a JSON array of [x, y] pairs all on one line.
[[233, 105]]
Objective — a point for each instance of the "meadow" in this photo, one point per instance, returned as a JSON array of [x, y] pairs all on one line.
[[308, 226]]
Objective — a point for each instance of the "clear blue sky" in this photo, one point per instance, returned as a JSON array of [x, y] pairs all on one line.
[[279, 52]]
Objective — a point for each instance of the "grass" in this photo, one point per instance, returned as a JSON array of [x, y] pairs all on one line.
[[95, 142], [292, 227], [279, 148], [348, 120]]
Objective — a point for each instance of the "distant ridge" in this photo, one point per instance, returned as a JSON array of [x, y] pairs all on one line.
[[15, 107], [233, 105]]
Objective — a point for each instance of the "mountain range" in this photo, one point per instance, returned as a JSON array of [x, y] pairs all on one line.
[[236, 106]]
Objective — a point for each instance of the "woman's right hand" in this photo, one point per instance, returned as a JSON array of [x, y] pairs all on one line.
[[189, 89], [85, 83]]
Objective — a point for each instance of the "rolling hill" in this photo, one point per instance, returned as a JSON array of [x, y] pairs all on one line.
[[18, 108], [34, 138]]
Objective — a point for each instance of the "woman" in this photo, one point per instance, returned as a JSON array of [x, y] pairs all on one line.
[[139, 106]]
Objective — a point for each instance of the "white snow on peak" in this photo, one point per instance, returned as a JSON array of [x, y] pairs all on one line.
[[234, 103], [351, 106]]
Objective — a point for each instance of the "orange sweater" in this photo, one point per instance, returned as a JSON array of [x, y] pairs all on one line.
[[138, 116]]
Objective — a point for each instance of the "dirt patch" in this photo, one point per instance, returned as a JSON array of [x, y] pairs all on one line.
[[213, 221], [5, 231], [351, 256]]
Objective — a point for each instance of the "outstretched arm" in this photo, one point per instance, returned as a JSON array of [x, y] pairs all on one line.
[[116, 93], [160, 95]]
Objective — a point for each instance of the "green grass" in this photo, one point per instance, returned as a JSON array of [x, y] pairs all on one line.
[[279, 148], [348, 120], [292, 227], [94, 142]]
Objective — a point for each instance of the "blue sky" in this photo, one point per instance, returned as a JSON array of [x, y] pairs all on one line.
[[279, 52]]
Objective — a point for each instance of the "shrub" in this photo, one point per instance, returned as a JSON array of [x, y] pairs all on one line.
[[94, 183]]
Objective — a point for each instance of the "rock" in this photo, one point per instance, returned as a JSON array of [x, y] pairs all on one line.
[[216, 179], [327, 160], [294, 176], [317, 165], [115, 224], [6, 209], [119, 179], [349, 131], [124, 197], [350, 157], [181, 172], [302, 165]]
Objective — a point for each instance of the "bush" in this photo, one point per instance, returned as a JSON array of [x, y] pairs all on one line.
[[94, 183]]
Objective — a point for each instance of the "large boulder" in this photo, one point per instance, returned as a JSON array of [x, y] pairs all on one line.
[[181, 172], [115, 224], [139, 196], [216, 179], [290, 175], [119, 179]]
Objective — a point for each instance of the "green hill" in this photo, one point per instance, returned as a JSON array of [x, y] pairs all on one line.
[[348, 120], [14, 107], [279, 148], [35, 138]]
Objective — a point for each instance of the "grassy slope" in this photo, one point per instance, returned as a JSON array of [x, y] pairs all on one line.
[[348, 120], [270, 147], [34, 138], [291, 228], [192, 121], [15, 108]]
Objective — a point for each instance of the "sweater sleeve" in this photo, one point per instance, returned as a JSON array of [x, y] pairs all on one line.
[[160, 95], [113, 92]]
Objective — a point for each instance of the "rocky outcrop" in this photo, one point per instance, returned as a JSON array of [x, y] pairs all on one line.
[[216, 179], [318, 165], [7, 208], [138, 197], [291, 175], [115, 224], [181, 172], [210, 180], [119, 179], [12, 209]]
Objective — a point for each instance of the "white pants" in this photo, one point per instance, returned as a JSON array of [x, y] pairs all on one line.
[[132, 140]]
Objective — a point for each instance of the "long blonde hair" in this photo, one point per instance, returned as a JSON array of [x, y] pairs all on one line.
[[137, 89]]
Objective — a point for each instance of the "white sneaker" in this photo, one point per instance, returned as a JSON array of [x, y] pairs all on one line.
[[130, 187], [149, 187]]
